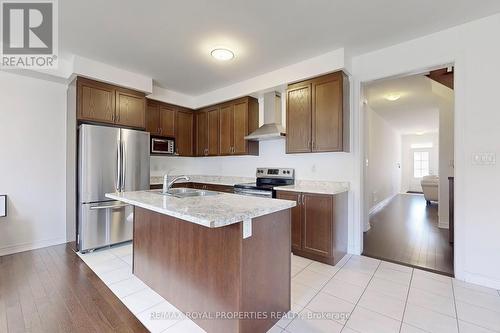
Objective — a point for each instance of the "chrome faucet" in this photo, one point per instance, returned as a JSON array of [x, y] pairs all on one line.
[[168, 184]]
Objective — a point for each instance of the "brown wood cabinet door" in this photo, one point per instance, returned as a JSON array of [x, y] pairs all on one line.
[[184, 137], [240, 126], [130, 109], [213, 131], [226, 130], [298, 119], [327, 105], [167, 121], [201, 124], [296, 217], [317, 224], [96, 101], [153, 118]]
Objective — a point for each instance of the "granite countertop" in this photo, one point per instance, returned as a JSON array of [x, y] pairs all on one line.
[[210, 211], [319, 187], [215, 180]]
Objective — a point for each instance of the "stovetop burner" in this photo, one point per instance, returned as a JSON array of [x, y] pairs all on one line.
[[267, 179]]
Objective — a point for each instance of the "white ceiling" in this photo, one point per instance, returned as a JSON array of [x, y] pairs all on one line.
[[416, 111], [171, 40]]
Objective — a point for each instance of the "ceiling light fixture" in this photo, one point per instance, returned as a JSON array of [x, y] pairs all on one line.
[[392, 97], [222, 54]]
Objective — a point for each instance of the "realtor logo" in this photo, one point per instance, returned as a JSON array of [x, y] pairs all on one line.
[[29, 34]]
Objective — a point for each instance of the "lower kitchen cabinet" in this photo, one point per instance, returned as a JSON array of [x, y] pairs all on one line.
[[319, 225]]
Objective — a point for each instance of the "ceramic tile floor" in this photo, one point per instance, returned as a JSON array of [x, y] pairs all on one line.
[[359, 295]]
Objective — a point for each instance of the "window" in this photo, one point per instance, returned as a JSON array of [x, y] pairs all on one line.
[[420, 164], [421, 145]]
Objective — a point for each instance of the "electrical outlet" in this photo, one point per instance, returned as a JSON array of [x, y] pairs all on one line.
[[484, 159]]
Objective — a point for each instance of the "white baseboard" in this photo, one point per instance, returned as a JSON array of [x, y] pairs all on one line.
[[381, 204], [444, 224], [30, 246], [480, 280]]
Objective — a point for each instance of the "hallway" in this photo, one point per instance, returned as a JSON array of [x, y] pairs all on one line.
[[406, 231]]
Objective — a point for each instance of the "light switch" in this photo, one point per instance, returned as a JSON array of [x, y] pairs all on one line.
[[3, 205], [484, 159]]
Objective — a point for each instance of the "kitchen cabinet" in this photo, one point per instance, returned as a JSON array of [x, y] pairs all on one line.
[[238, 118], [130, 108], [201, 124], [167, 120], [184, 133], [319, 225], [160, 119], [153, 118], [207, 131], [318, 115], [99, 102]]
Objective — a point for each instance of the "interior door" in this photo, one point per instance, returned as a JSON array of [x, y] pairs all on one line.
[[420, 167], [98, 162], [135, 157]]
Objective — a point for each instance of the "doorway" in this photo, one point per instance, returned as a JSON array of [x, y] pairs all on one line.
[[408, 160]]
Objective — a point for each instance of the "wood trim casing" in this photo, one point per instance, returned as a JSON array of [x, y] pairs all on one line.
[[212, 270]]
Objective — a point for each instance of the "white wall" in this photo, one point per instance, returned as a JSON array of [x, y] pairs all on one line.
[[384, 160], [320, 166], [477, 129], [407, 157], [32, 162]]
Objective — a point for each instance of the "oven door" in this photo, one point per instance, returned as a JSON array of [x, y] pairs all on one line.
[[162, 146], [253, 193]]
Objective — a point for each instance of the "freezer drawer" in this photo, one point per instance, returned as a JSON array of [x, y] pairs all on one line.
[[105, 223]]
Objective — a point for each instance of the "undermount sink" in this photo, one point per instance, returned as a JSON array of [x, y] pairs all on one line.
[[184, 192]]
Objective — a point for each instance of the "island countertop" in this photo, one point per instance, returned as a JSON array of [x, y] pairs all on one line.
[[209, 211]]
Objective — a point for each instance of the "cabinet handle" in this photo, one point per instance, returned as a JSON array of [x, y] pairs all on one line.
[[300, 199], [303, 199]]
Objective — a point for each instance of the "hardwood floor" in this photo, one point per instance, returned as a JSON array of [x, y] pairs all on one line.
[[53, 290], [406, 231]]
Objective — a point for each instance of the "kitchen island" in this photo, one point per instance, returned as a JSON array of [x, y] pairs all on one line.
[[222, 259]]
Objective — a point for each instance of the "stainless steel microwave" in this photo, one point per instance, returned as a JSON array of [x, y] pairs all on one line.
[[162, 146]]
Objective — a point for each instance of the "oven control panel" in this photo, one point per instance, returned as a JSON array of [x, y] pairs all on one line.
[[275, 173]]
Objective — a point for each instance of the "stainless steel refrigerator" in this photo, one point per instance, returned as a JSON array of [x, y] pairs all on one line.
[[109, 160]]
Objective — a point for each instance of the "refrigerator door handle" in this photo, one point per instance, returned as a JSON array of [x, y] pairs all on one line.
[[124, 166], [118, 166], [109, 206]]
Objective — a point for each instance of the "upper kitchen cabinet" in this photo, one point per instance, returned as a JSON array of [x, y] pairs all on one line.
[[130, 108], [184, 138], [160, 119], [167, 120], [95, 101], [238, 119], [104, 103], [318, 115], [207, 132]]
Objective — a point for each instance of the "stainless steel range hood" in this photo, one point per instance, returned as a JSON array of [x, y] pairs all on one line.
[[272, 128]]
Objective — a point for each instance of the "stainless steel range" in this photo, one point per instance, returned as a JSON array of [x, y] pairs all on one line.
[[267, 180]]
